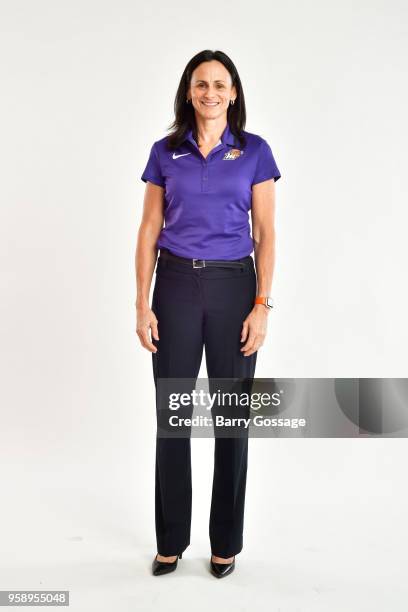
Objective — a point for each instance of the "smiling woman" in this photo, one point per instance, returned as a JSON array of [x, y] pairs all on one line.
[[202, 182]]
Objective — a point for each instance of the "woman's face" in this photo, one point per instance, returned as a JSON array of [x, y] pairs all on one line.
[[211, 90]]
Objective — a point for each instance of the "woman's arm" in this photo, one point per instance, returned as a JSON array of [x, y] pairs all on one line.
[[263, 234], [145, 261]]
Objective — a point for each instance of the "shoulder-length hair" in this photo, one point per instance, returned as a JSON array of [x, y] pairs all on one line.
[[184, 112]]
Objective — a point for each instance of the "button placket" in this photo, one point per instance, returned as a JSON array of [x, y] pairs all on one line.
[[204, 176]]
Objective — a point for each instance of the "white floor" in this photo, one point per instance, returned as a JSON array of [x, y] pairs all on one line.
[[325, 530]]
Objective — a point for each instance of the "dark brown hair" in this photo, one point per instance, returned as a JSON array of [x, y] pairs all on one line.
[[184, 112]]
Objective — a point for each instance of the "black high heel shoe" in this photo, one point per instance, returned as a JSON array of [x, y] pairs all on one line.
[[219, 570], [163, 567]]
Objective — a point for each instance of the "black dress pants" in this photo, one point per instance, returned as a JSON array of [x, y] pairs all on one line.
[[197, 308]]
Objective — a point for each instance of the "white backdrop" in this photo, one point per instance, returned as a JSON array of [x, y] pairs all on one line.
[[86, 89]]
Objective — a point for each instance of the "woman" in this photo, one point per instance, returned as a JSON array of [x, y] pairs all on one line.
[[202, 180]]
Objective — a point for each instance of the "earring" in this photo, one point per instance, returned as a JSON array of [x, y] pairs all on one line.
[[232, 102], [187, 101]]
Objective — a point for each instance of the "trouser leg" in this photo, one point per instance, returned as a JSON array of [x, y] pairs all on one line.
[[178, 309], [228, 302]]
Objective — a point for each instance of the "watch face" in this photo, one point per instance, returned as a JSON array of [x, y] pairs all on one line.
[[269, 302]]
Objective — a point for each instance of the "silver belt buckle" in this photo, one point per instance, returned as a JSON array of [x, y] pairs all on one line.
[[198, 263]]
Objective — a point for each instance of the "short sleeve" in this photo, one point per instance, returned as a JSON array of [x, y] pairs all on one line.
[[153, 172], [266, 167]]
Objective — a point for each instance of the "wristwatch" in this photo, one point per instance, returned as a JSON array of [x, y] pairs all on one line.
[[266, 301]]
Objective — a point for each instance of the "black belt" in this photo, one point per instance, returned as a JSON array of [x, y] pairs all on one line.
[[204, 263]]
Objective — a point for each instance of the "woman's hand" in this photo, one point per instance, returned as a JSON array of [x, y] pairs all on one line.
[[146, 320], [254, 329]]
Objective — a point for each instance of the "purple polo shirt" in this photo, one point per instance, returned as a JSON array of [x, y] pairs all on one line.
[[207, 200]]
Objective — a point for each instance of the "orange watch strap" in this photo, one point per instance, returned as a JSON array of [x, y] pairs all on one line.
[[260, 300]]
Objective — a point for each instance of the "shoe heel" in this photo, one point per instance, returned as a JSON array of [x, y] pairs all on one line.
[[180, 555]]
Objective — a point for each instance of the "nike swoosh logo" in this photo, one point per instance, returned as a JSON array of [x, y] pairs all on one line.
[[181, 155]]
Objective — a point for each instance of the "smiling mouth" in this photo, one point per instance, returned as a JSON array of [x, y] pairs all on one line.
[[210, 103]]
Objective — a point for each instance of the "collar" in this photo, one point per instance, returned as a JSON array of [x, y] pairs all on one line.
[[227, 137]]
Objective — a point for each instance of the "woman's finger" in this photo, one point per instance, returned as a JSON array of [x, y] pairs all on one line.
[[155, 330], [244, 331], [145, 341], [250, 341]]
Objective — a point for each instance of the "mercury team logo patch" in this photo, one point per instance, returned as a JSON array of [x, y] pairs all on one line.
[[232, 154]]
